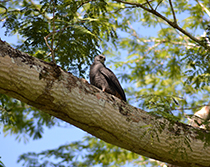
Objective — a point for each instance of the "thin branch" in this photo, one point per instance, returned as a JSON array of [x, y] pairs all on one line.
[[149, 5], [130, 7], [174, 25], [187, 44], [152, 47], [204, 8], [126, 7], [176, 43], [174, 15], [53, 35], [45, 38], [158, 4]]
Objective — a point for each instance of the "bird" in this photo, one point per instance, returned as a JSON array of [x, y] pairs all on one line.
[[104, 79]]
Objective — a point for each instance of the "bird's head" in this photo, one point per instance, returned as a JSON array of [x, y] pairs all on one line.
[[100, 58]]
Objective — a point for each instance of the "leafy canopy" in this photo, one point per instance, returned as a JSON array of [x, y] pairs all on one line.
[[161, 47], [73, 29]]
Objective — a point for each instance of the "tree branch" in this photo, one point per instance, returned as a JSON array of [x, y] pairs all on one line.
[[53, 35], [174, 15], [174, 25], [187, 44], [149, 5], [60, 94], [158, 4], [45, 39]]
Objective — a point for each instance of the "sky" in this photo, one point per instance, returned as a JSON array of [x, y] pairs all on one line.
[[52, 138]]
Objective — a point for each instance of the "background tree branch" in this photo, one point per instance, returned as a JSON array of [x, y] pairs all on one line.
[[171, 23]]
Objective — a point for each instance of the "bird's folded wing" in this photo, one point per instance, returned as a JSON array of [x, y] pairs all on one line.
[[112, 79]]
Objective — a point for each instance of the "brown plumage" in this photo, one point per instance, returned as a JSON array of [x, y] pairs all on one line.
[[104, 78]]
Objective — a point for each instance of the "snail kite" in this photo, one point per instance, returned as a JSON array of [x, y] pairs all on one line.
[[104, 78]]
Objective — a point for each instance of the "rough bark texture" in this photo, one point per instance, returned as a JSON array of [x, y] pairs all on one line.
[[50, 89]]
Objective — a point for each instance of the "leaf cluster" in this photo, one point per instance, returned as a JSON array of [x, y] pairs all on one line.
[[73, 30], [198, 63], [23, 120], [1, 164], [164, 106], [167, 62]]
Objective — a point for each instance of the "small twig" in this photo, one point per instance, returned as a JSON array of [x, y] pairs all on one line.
[[174, 15], [45, 38], [53, 35], [149, 5], [134, 31], [152, 47], [145, 3], [57, 31], [158, 4], [127, 7]]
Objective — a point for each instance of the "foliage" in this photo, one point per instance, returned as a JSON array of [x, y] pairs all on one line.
[[82, 24], [1, 164], [167, 62], [92, 151], [165, 55], [23, 120]]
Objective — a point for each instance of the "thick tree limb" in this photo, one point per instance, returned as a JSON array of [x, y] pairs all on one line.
[[50, 89]]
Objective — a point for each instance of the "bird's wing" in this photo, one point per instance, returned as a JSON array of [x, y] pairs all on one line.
[[113, 81]]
